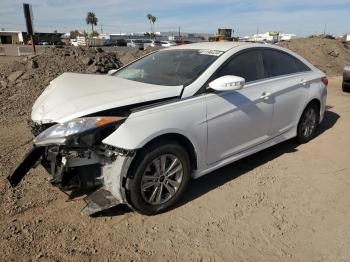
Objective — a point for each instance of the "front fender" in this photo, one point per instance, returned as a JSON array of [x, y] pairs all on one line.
[[185, 117]]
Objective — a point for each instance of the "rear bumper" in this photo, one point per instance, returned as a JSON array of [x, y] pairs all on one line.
[[323, 104]]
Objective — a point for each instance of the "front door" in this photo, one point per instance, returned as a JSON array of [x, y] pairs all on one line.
[[238, 120]]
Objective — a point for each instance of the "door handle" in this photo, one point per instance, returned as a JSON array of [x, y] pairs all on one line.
[[303, 82], [265, 95]]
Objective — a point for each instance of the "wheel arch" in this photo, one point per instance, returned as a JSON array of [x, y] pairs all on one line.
[[316, 101], [313, 100], [184, 141]]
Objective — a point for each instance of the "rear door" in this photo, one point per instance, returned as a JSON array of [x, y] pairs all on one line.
[[288, 84], [239, 119]]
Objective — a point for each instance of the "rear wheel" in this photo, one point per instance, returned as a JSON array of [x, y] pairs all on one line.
[[308, 123], [158, 177]]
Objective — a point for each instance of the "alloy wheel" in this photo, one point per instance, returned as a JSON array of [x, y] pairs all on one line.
[[161, 179], [309, 122]]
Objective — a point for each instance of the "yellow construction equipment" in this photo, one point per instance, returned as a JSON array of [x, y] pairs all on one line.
[[223, 35]]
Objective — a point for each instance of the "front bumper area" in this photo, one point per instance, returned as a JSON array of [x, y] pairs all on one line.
[[31, 160], [98, 173]]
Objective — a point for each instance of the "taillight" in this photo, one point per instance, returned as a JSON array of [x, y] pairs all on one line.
[[325, 81]]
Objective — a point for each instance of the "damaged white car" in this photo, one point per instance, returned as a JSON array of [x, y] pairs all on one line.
[[137, 135]]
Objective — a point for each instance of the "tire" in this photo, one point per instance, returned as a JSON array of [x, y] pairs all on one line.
[[308, 123], [345, 88], [145, 182]]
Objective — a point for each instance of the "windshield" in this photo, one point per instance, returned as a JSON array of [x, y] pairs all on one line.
[[169, 68]]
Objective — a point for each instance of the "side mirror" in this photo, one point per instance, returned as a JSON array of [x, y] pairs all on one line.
[[227, 83], [111, 72]]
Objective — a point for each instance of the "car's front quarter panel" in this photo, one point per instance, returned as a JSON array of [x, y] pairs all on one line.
[[185, 117]]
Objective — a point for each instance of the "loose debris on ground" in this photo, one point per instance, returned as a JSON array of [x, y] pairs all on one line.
[[22, 81]]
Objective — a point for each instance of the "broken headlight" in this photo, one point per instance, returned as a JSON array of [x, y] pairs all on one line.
[[78, 131]]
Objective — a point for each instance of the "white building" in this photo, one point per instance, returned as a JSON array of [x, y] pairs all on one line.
[[11, 37], [286, 37], [270, 37]]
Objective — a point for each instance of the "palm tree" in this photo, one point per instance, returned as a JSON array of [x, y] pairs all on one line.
[[91, 19], [149, 16], [153, 19]]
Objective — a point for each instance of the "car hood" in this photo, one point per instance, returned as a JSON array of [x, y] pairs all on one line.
[[73, 95]]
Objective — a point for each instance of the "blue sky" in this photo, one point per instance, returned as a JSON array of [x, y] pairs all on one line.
[[302, 17]]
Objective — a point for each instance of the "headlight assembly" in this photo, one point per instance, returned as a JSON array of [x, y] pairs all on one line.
[[72, 131]]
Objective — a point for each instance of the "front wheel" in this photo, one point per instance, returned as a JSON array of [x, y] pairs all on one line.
[[158, 177], [308, 123]]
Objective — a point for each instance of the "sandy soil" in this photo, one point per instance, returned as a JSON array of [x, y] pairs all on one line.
[[287, 203]]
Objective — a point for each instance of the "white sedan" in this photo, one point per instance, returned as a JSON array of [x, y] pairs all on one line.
[[167, 43], [137, 135]]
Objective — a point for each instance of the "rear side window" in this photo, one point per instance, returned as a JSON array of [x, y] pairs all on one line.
[[278, 63], [247, 65]]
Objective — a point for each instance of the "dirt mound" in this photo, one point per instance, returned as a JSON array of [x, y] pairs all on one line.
[[329, 55], [21, 82]]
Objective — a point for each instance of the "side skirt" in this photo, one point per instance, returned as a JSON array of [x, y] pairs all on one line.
[[218, 164]]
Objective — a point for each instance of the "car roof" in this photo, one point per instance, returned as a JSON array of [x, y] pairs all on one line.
[[226, 46], [218, 46]]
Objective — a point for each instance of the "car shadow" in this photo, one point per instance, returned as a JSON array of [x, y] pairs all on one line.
[[113, 211], [203, 185]]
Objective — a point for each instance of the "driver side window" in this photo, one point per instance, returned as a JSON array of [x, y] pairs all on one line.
[[247, 65]]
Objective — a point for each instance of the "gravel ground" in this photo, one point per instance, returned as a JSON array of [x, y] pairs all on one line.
[[286, 203]]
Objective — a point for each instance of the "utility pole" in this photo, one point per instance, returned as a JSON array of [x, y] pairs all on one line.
[[324, 29], [101, 30], [28, 15], [179, 32]]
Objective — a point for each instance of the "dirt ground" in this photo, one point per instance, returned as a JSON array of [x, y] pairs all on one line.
[[287, 203], [329, 55]]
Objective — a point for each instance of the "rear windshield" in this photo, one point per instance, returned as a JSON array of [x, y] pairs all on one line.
[[170, 68]]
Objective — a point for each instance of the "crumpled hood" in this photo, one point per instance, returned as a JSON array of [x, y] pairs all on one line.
[[74, 95]]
